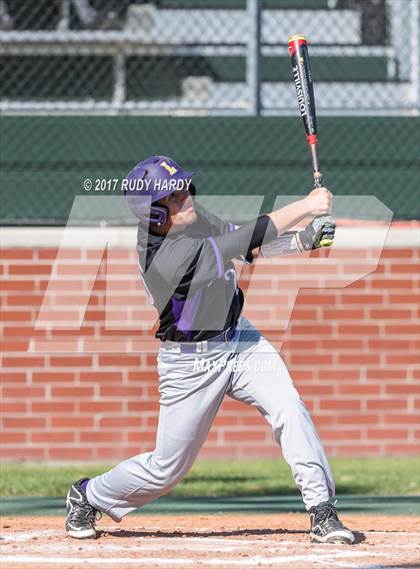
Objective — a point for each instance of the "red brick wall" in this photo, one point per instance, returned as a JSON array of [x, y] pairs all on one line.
[[89, 394]]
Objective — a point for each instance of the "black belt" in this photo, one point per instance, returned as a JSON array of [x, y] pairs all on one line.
[[204, 345]]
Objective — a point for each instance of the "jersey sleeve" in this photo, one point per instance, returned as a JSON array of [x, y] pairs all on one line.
[[195, 262], [217, 227], [242, 240]]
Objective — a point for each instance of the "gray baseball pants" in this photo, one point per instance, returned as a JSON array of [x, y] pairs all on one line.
[[192, 387]]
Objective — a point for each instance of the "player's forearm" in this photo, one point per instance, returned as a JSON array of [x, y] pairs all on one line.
[[290, 215], [292, 242], [267, 228], [286, 244]]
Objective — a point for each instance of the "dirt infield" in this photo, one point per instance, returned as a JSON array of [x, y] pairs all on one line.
[[205, 541]]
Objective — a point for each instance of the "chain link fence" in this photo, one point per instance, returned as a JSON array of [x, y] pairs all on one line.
[[107, 75]]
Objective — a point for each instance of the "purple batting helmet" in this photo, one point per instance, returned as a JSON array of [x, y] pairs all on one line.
[[151, 180]]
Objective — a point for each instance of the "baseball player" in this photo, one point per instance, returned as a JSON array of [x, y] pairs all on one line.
[[208, 349]]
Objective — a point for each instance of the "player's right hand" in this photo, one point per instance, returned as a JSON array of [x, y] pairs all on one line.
[[319, 233], [319, 201]]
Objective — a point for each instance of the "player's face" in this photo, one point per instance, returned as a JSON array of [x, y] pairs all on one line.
[[181, 208]]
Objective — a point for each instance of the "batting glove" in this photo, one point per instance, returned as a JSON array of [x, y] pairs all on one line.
[[319, 233]]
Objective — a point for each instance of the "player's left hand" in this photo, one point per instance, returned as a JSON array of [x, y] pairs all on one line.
[[319, 229]]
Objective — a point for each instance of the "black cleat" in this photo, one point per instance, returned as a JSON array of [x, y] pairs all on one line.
[[81, 516], [326, 527]]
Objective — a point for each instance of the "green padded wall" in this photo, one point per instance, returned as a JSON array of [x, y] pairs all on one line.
[[44, 160]]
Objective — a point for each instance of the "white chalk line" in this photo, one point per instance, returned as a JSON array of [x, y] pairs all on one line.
[[169, 541], [93, 560], [177, 544], [27, 536], [256, 560], [92, 547]]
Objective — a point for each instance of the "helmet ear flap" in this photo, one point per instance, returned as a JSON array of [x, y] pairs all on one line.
[[159, 214]]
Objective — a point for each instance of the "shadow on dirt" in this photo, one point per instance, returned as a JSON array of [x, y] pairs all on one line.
[[359, 536]]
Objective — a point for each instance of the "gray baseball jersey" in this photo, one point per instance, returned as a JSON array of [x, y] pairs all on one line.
[[188, 272]]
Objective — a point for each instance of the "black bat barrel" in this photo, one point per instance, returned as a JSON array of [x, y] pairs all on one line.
[[298, 50]]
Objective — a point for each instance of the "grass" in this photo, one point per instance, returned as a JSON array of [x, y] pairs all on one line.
[[378, 476]]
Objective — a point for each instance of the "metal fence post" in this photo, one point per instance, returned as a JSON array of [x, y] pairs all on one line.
[[253, 62], [119, 93]]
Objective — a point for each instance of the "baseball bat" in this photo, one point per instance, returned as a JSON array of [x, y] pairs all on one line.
[[298, 49]]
